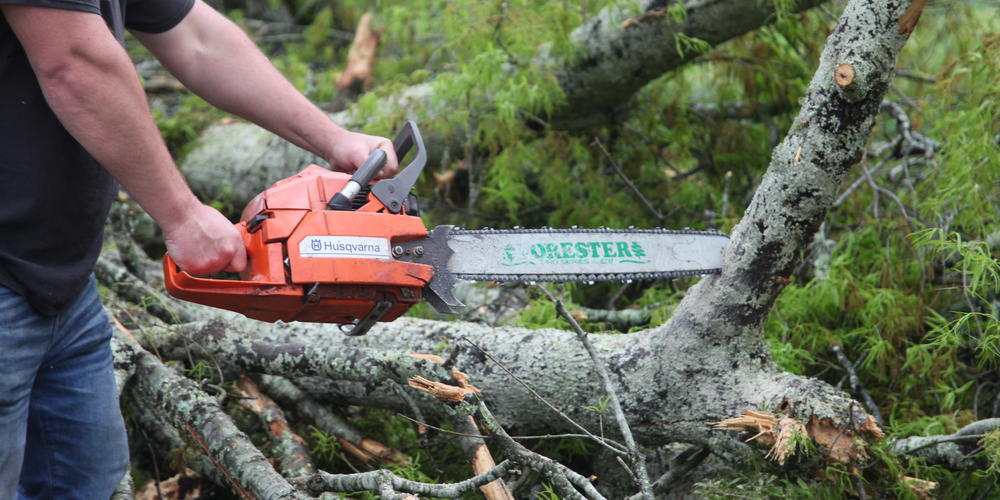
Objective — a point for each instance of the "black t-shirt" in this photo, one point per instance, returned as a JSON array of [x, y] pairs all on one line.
[[54, 197]]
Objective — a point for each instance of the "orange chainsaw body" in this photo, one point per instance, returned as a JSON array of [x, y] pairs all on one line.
[[308, 263]]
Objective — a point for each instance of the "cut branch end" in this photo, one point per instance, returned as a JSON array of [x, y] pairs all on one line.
[[844, 75]]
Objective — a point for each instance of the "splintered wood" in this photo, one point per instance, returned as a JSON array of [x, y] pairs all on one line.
[[361, 56], [371, 451], [783, 435], [785, 444], [871, 428], [762, 423], [481, 460], [439, 390]]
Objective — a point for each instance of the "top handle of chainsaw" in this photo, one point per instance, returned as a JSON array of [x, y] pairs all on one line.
[[362, 176], [392, 192]]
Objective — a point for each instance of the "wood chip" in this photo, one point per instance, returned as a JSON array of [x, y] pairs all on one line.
[[183, 486], [641, 18], [921, 488], [433, 358], [370, 451], [442, 392]]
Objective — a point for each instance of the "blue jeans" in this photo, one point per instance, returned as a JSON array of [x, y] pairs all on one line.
[[61, 430]]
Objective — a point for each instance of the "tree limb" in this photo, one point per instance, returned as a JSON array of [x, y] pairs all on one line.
[[324, 481], [188, 408], [638, 461]]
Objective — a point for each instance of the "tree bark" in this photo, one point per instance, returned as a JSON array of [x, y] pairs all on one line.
[[620, 52]]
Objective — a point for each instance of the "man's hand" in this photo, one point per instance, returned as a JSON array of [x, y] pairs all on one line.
[[350, 149], [214, 58], [202, 241]]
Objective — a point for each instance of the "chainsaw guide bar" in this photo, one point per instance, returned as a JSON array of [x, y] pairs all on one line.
[[329, 247]]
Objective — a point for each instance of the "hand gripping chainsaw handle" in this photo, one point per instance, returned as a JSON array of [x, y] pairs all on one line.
[[391, 192], [184, 286]]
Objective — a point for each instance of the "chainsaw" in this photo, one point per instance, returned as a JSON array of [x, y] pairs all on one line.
[[330, 247]]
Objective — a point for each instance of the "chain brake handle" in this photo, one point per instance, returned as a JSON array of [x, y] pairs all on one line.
[[393, 192]]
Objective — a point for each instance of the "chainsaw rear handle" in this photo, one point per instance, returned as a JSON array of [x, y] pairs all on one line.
[[176, 279], [182, 285]]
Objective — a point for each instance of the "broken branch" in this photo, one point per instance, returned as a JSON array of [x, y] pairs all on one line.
[[638, 461], [324, 482], [856, 383]]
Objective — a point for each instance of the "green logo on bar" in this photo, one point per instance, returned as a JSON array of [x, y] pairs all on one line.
[[579, 252]]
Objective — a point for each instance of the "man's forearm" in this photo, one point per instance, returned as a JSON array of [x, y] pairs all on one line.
[[95, 92], [216, 60], [90, 84]]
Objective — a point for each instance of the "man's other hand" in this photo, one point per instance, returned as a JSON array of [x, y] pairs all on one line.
[[204, 242], [350, 149]]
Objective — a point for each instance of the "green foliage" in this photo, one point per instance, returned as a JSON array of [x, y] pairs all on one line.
[[323, 445], [676, 12], [317, 44], [762, 485], [684, 44], [541, 314], [411, 471], [201, 370], [884, 476], [183, 124], [601, 406], [547, 493], [991, 443], [980, 270]]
